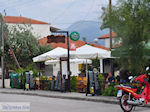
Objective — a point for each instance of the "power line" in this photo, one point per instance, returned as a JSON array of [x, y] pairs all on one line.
[[29, 4], [15, 4], [8, 3], [86, 15], [64, 11], [93, 1]]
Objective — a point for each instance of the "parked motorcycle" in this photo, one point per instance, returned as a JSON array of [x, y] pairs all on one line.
[[128, 95]]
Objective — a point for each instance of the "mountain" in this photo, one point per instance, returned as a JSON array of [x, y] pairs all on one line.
[[88, 29]]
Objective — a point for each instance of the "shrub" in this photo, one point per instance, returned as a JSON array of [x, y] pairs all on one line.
[[48, 85], [42, 77], [73, 83], [110, 91], [101, 80], [22, 81]]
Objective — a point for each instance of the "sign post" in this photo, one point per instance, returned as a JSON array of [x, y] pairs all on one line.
[[68, 61]]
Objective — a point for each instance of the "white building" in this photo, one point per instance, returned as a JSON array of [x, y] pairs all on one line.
[[38, 28], [106, 39]]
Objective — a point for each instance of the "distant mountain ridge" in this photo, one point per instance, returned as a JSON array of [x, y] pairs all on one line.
[[88, 29]]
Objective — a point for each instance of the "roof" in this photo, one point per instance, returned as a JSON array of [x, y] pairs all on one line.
[[107, 35], [53, 29], [79, 43], [22, 20]]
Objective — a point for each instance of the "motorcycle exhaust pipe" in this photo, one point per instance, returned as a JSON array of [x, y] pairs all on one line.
[[136, 102]]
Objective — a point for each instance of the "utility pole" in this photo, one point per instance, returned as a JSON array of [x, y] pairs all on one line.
[[110, 30], [2, 50], [110, 33], [68, 61]]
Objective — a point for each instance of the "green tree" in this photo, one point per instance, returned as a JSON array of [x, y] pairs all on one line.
[[130, 19], [23, 43]]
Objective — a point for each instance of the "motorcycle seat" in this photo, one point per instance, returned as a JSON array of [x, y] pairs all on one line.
[[131, 86]]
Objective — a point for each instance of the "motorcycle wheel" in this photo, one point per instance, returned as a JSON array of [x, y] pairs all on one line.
[[124, 105]]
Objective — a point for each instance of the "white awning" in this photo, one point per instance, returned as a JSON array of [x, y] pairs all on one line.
[[84, 52], [78, 61]]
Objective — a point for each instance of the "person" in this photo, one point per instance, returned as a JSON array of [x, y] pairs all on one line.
[[123, 76], [110, 79], [117, 76]]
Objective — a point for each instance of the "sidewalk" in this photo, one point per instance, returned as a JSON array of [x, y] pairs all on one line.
[[63, 95]]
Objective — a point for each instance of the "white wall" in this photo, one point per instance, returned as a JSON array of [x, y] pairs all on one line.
[[73, 68], [38, 30], [7, 83], [107, 42], [56, 68], [107, 65]]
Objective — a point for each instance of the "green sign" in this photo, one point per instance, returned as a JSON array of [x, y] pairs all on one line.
[[74, 36]]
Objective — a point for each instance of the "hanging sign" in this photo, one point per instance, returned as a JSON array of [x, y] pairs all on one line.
[[74, 36]]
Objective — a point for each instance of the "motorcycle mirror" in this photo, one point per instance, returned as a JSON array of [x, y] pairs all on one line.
[[147, 68], [130, 77]]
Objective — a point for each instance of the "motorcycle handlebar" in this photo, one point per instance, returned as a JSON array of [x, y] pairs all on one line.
[[133, 79]]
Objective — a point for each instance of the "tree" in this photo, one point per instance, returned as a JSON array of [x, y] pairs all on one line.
[[130, 19], [23, 43]]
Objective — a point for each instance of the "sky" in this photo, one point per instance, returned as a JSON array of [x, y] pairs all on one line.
[[59, 13]]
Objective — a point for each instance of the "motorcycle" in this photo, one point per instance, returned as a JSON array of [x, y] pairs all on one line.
[[128, 95]]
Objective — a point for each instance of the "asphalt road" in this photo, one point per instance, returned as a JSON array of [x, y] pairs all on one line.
[[43, 104]]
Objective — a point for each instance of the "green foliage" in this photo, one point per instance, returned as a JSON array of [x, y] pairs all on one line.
[[42, 77], [21, 70], [130, 19], [44, 49], [48, 85], [95, 63], [101, 80], [110, 91], [73, 83], [32, 67], [35, 73], [24, 44]]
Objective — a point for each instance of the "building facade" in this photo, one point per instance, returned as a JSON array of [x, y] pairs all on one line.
[[38, 28], [106, 39]]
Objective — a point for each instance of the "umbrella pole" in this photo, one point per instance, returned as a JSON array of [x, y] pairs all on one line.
[[86, 69], [101, 65], [86, 78]]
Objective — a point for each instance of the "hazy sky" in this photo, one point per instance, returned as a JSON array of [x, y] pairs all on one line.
[[60, 13]]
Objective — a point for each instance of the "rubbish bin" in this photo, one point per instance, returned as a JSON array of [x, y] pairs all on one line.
[[14, 80]]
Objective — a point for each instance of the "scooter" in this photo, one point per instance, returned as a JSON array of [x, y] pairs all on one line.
[[128, 96]]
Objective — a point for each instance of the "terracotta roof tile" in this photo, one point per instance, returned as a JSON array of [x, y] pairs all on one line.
[[107, 35], [22, 20], [79, 43]]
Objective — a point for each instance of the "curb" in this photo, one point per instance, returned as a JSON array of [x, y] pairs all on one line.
[[92, 99], [64, 97]]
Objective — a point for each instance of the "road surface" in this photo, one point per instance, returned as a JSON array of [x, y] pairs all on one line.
[[45, 104]]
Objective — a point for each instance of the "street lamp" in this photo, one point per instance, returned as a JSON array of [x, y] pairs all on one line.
[[68, 58]]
